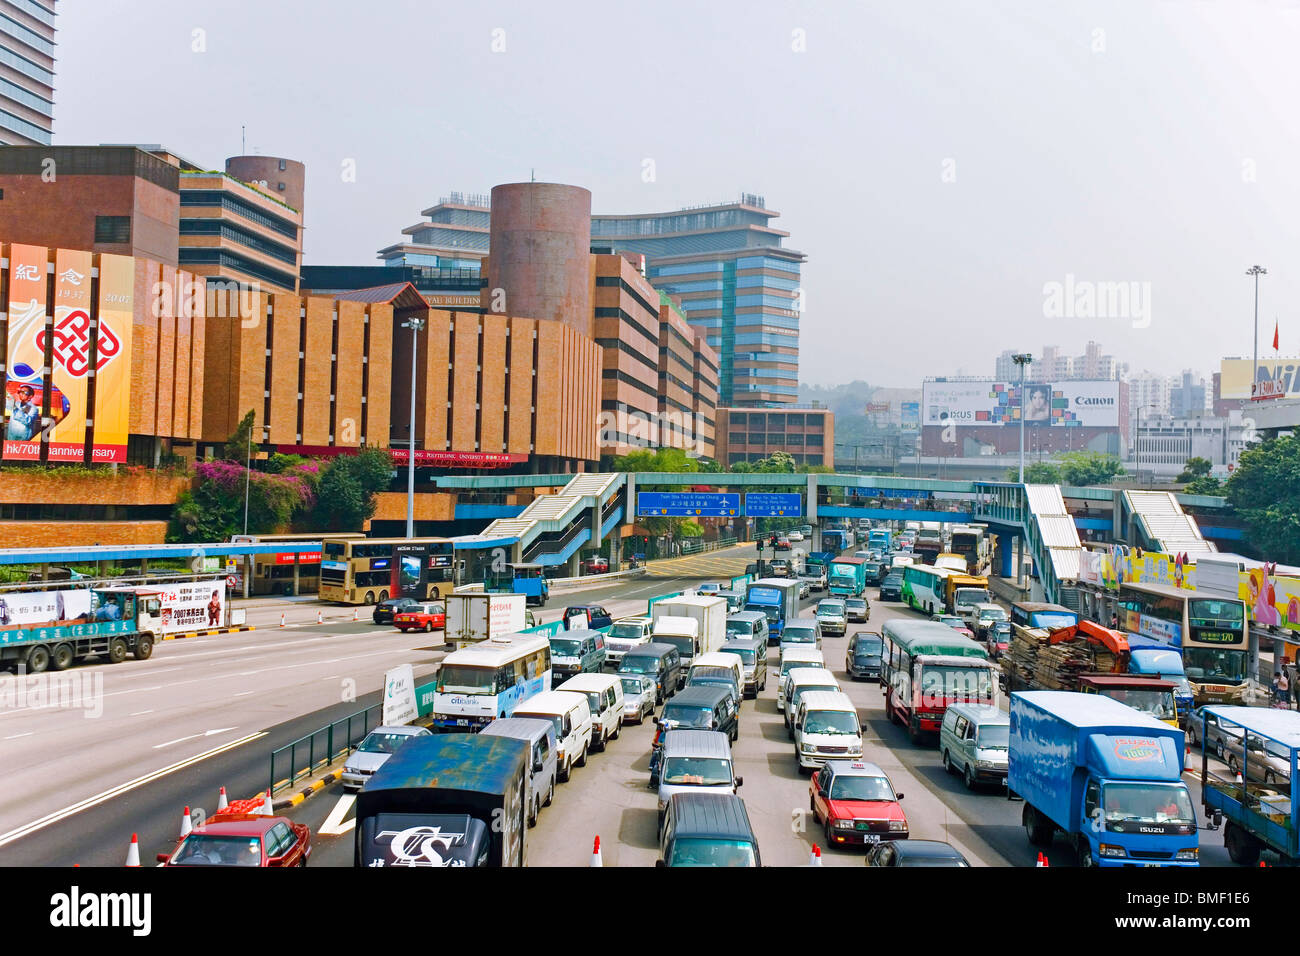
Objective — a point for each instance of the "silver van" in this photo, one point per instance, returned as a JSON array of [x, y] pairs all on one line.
[[695, 761], [973, 740], [747, 624], [544, 762], [752, 652]]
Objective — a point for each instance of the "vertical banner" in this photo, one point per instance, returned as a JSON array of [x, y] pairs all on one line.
[[25, 384], [112, 412], [69, 356]]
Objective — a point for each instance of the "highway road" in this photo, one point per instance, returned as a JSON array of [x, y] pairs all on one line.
[[163, 734]]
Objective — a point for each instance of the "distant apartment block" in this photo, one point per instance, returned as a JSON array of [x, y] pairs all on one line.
[[26, 72]]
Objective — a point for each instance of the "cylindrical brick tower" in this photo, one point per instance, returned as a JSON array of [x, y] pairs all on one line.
[[286, 179], [539, 252]]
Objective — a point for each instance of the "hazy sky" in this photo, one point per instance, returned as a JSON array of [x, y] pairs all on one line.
[[939, 162]]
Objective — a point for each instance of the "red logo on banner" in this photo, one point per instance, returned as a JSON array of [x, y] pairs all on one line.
[[72, 343]]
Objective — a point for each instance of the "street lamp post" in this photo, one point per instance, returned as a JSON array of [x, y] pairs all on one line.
[[415, 325], [1022, 359], [1256, 271], [248, 465]]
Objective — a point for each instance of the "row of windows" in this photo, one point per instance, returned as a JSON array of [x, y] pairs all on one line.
[[229, 203], [767, 322], [766, 282], [777, 420], [798, 459], [31, 100], [767, 262], [771, 301], [684, 269], [629, 350], [760, 387], [35, 10], [606, 312], [685, 222], [229, 260], [112, 229], [451, 237], [30, 130], [616, 374], [776, 341], [217, 227], [26, 67], [25, 34], [774, 438]]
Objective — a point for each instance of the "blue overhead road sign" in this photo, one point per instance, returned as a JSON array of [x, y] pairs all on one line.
[[686, 504], [762, 504]]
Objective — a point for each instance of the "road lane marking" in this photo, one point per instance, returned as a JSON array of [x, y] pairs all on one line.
[[178, 740], [16, 736], [334, 824], [56, 816], [244, 693], [141, 713], [219, 730]]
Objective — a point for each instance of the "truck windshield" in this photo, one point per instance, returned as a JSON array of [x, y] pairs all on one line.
[[699, 852], [1210, 665], [685, 645], [773, 614], [1158, 703], [1147, 803], [971, 596], [463, 679], [697, 771], [952, 680]]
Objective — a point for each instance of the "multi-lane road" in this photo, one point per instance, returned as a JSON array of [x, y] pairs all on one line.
[[206, 713]]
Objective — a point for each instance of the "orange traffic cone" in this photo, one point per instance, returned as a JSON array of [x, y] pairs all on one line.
[[1262, 863], [319, 619], [354, 613], [267, 809], [133, 851], [222, 803], [187, 825], [595, 854], [282, 620], [1042, 860], [816, 858]]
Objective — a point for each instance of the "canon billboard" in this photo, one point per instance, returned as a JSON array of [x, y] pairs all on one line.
[[988, 403]]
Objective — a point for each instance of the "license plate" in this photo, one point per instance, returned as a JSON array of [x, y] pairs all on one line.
[[871, 837], [462, 722]]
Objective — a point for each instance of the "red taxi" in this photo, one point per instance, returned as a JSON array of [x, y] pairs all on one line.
[[856, 804], [421, 617], [243, 839]]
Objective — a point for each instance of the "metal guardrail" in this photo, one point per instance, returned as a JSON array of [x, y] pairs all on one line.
[[561, 582], [321, 747], [700, 546]]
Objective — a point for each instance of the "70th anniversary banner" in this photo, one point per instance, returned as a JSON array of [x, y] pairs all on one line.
[[692, 504]]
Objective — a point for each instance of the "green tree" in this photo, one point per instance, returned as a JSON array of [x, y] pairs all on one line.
[[1037, 473], [345, 497], [1265, 490], [1204, 485], [1083, 468], [237, 445], [1195, 467]]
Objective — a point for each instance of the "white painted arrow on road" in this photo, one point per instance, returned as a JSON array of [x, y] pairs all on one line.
[[334, 824], [181, 740], [219, 730]]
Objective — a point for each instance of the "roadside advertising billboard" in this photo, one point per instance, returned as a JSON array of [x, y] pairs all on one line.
[[113, 358], [192, 606], [1070, 403], [1278, 378], [69, 355], [911, 415], [24, 384], [408, 574]]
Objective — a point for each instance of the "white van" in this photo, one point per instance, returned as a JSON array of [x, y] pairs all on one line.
[[719, 659], [572, 719], [825, 728], [800, 681], [796, 657], [540, 735], [605, 698]]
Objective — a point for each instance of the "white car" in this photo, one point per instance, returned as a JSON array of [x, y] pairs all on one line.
[[795, 536], [805, 588]]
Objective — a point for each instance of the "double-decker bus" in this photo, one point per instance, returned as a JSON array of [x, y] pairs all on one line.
[[927, 666], [1211, 632], [487, 680], [369, 570], [925, 588], [273, 572], [971, 542]]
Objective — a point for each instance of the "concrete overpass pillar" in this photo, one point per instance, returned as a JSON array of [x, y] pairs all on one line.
[[296, 557], [575, 564]]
